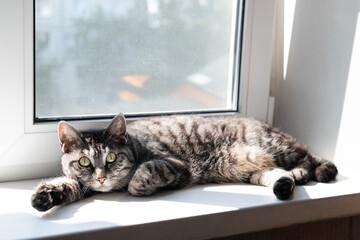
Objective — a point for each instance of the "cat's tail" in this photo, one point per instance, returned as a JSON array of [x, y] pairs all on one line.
[[325, 171]]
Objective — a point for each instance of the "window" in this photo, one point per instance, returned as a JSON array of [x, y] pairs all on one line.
[[96, 58], [30, 149]]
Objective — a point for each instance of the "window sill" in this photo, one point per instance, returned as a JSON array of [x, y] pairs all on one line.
[[199, 212]]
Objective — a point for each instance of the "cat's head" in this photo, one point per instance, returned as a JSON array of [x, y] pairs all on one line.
[[99, 159]]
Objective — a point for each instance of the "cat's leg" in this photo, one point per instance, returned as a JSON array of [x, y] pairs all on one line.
[[159, 173], [281, 181], [304, 171], [56, 191], [313, 168]]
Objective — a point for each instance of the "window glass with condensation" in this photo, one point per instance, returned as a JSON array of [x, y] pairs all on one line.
[[103, 57]]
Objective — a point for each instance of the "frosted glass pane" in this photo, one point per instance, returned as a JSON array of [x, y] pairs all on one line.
[[97, 57]]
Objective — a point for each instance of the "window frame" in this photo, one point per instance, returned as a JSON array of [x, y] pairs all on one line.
[[34, 151]]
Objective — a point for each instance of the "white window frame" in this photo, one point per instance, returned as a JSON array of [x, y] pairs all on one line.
[[31, 150]]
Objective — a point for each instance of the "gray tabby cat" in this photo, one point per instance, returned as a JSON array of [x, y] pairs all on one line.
[[177, 151]]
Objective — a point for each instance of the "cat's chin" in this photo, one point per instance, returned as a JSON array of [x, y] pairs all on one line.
[[102, 188]]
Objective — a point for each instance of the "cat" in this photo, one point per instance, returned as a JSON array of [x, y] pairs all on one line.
[[172, 152]]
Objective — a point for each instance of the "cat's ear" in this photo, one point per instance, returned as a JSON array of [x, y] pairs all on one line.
[[115, 133], [70, 139]]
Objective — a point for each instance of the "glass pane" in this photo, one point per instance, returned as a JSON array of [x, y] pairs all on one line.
[[97, 57]]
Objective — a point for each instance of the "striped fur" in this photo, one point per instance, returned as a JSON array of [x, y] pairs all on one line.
[[178, 151]]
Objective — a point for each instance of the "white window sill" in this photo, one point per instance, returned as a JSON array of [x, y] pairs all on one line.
[[198, 212]]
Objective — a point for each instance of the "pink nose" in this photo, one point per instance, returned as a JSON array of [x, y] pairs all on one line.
[[101, 180]]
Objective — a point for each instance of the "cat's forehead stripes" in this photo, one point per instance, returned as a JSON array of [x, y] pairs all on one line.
[[94, 149]]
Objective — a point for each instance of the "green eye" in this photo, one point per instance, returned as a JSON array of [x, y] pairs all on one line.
[[111, 157], [84, 161]]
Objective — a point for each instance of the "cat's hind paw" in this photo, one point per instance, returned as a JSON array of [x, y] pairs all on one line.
[[326, 172], [284, 187]]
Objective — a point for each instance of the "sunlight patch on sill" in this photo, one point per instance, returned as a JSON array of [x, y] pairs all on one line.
[[289, 14], [240, 189]]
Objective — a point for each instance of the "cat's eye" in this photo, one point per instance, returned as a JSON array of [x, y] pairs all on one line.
[[111, 157], [84, 161]]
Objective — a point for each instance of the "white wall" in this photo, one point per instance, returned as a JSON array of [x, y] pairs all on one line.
[[310, 98]]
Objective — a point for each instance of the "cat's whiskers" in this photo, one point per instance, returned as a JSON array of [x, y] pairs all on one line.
[[119, 186], [85, 189]]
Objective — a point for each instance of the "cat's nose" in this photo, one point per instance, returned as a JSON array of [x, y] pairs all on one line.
[[101, 180]]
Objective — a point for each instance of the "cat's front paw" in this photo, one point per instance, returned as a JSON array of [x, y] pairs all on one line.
[[141, 186], [45, 197]]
